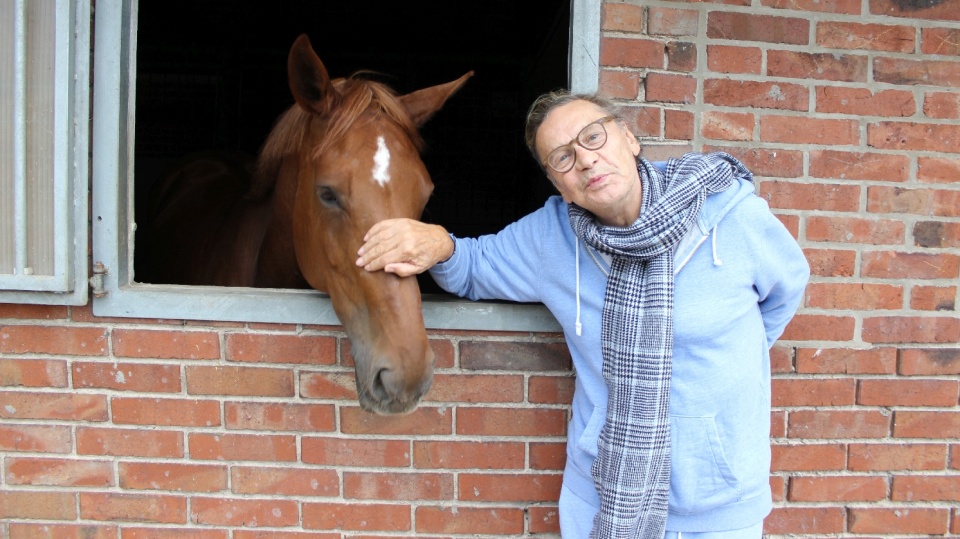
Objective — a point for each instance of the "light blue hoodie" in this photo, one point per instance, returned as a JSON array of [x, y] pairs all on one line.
[[740, 278]]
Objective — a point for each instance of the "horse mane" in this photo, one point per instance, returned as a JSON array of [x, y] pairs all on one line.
[[355, 95]]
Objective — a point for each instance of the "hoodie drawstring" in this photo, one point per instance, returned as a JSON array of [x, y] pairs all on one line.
[[578, 325], [716, 257]]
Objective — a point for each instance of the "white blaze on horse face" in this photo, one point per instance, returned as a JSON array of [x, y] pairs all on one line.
[[381, 163]]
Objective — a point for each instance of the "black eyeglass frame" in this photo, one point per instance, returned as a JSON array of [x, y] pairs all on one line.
[[576, 140]]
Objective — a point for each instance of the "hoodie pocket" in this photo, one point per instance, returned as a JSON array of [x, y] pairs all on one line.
[[591, 433], [700, 478]]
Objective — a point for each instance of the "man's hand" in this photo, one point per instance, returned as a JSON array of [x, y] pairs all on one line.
[[404, 247]]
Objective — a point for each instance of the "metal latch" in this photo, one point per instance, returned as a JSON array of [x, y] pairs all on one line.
[[96, 281]]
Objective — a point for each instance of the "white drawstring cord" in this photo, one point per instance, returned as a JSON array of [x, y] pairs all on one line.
[[716, 259]]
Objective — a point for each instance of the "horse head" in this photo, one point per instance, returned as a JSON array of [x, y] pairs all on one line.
[[359, 163]]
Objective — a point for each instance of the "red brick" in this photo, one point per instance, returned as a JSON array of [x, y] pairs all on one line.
[[178, 533], [815, 327], [36, 438], [936, 234], [127, 377], [245, 381], [838, 424], [485, 455], [938, 170], [778, 424], [911, 424], [670, 88], [129, 442], [165, 344], [682, 57], [328, 385], [205, 446], [750, 27], [280, 416], [907, 392], [859, 166], [621, 17], [855, 230], [678, 124], [643, 122], [825, 197], [778, 487], [355, 516], [940, 41], [62, 340], [62, 531], [166, 412], [509, 488], [36, 504], [64, 406], [946, 11], [269, 348], [59, 472], [849, 7], [808, 130], [882, 199], [514, 356], [39, 312], [926, 488], [756, 94], [846, 361], [926, 72], [619, 84], [813, 392], [866, 37], [551, 389], [727, 125], [133, 507], [911, 329], [631, 52], [548, 455], [398, 486], [854, 296], [33, 373], [831, 262], [673, 22], [817, 66], [781, 360], [942, 105], [732, 59], [895, 520], [896, 456], [899, 265], [915, 136], [808, 457], [823, 521], [863, 102], [476, 388], [929, 361], [511, 422], [838, 488], [933, 298], [285, 481], [544, 519], [173, 476], [470, 520], [763, 162], [356, 452], [244, 512], [424, 420]]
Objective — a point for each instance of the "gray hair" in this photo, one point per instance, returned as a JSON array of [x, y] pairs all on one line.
[[544, 104]]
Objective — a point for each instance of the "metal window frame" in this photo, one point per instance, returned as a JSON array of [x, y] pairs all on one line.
[[113, 228], [67, 285]]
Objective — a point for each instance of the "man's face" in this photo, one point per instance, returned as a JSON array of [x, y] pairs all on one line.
[[603, 181]]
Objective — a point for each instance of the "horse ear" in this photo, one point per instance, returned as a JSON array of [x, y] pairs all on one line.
[[309, 82], [422, 104]]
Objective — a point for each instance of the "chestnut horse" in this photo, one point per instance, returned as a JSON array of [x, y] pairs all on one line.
[[344, 157]]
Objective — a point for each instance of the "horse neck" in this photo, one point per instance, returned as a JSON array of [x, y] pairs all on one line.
[[277, 261]]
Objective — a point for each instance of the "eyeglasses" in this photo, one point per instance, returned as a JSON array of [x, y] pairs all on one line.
[[592, 137]]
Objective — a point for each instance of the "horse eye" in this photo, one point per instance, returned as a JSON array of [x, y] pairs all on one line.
[[328, 196]]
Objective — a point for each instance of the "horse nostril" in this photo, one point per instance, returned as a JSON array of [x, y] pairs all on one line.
[[378, 386]]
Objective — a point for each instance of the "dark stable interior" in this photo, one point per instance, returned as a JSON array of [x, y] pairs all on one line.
[[211, 74]]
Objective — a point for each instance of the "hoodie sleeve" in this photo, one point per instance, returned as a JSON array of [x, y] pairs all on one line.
[[503, 266], [782, 278]]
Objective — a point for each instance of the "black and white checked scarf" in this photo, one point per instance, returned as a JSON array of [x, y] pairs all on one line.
[[632, 468]]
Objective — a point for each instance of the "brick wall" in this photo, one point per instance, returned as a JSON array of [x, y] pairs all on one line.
[[848, 113]]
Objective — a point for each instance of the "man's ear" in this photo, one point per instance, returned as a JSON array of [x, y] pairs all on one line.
[[631, 139]]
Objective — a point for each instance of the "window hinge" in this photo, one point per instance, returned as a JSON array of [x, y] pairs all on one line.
[[96, 281]]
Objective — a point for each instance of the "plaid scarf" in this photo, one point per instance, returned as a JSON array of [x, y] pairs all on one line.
[[632, 468]]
